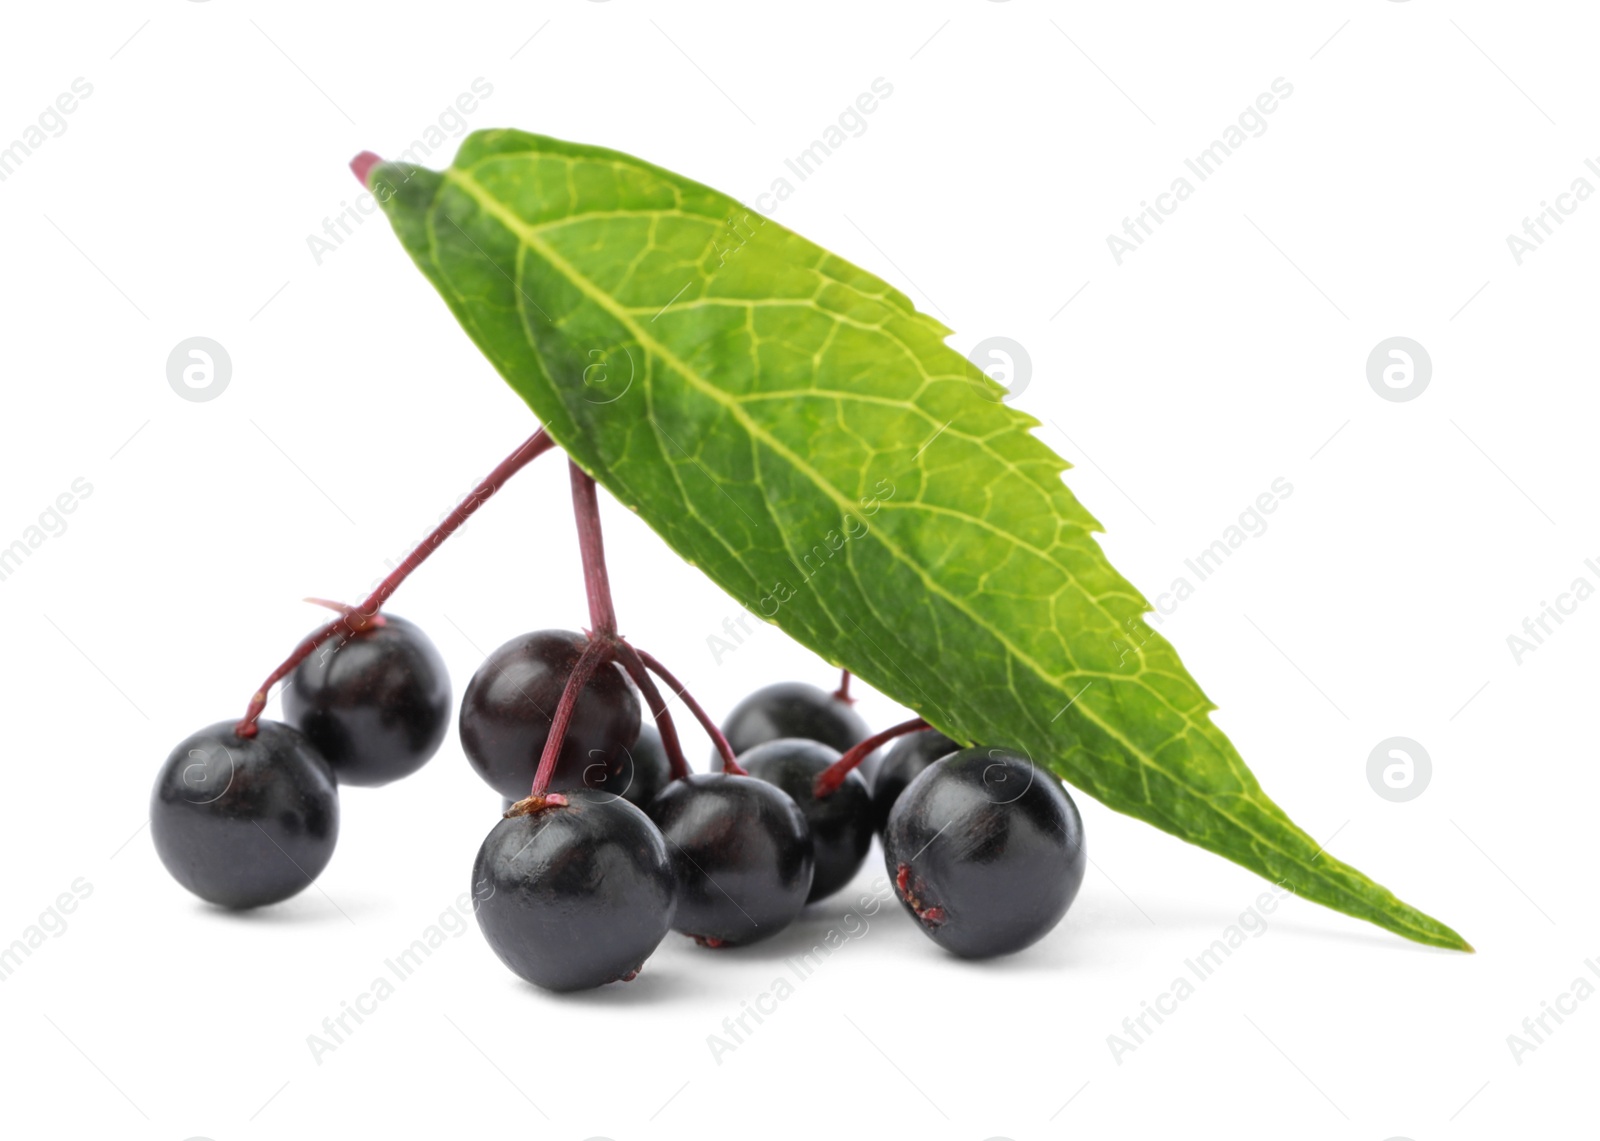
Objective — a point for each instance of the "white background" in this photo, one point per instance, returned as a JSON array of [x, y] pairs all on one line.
[[1227, 352]]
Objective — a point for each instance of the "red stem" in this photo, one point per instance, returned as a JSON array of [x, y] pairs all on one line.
[[843, 692], [357, 618], [729, 764], [603, 620], [833, 776], [629, 659], [347, 610], [594, 655], [596, 582]]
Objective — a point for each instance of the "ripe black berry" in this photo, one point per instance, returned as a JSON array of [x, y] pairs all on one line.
[[576, 894], [791, 709], [507, 710], [905, 761], [644, 772], [645, 769], [244, 822], [742, 853], [840, 823], [986, 852], [375, 704]]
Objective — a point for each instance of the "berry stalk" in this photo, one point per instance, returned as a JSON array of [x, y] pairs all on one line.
[[603, 620], [833, 776], [843, 692], [596, 582], [594, 655], [628, 658], [729, 764], [357, 618]]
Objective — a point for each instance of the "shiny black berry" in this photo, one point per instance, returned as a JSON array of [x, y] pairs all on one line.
[[645, 769], [244, 822], [840, 823], [791, 709], [644, 772], [375, 704], [986, 852], [574, 895], [511, 700], [742, 853], [904, 762]]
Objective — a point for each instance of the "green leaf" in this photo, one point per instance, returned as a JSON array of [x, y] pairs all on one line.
[[793, 426]]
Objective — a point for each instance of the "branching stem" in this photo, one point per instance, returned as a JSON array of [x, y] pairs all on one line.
[[729, 763], [354, 619]]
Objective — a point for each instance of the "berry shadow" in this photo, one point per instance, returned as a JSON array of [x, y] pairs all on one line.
[[1064, 949], [810, 933], [651, 986], [306, 910]]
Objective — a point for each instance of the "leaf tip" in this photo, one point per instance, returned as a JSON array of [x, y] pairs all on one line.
[[361, 166], [1446, 938]]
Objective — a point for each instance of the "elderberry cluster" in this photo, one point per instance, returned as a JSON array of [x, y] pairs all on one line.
[[247, 814], [607, 841], [580, 885]]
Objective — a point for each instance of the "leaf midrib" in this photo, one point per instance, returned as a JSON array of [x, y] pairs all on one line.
[[529, 236]]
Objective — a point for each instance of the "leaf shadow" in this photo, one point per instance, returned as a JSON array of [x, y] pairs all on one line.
[[1201, 926]]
